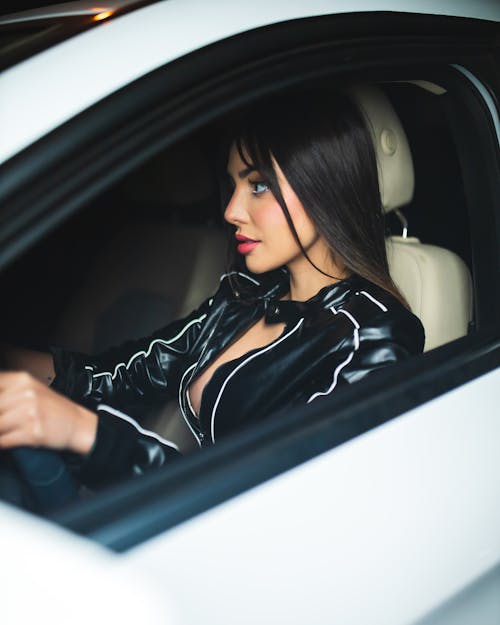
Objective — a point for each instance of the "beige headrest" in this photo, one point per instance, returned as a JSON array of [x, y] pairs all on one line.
[[396, 175]]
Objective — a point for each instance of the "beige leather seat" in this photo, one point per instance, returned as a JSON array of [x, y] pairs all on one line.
[[435, 281]]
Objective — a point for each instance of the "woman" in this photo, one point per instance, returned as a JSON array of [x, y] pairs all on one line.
[[308, 306]]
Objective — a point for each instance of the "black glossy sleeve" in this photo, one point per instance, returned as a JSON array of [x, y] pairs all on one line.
[[123, 449], [134, 373]]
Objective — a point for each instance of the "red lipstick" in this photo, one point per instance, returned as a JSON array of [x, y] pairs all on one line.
[[246, 245]]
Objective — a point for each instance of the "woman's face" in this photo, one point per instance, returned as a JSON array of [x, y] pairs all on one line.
[[262, 231]]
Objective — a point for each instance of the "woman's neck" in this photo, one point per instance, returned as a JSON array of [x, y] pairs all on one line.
[[301, 290], [306, 280]]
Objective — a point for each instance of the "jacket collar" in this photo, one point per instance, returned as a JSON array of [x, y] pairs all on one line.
[[331, 296]]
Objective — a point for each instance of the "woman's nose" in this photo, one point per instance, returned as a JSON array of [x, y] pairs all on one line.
[[235, 212]]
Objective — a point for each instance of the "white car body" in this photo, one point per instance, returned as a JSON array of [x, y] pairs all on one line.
[[101, 61], [405, 529], [430, 552], [409, 531]]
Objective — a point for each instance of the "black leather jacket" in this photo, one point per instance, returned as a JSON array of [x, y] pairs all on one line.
[[346, 331]]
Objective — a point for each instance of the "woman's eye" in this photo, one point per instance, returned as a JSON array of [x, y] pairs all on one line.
[[259, 186]]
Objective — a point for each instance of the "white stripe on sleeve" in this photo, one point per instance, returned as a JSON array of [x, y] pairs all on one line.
[[121, 415]]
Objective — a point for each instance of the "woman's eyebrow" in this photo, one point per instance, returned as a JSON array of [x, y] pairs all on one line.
[[244, 172]]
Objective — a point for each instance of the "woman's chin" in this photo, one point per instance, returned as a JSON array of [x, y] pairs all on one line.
[[257, 266]]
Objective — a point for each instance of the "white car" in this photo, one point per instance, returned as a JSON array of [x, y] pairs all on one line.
[[381, 505]]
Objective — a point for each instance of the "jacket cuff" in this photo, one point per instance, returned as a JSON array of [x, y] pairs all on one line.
[[122, 449], [72, 378]]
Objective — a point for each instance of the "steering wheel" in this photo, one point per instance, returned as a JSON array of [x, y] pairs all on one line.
[[47, 477]]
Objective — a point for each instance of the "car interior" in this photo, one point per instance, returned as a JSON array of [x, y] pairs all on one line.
[[153, 246]]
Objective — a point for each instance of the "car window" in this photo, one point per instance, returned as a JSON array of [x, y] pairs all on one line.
[[133, 255]]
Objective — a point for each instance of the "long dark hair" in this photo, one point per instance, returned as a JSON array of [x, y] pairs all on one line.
[[323, 146]]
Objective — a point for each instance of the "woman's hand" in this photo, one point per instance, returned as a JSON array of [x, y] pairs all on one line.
[[33, 414]]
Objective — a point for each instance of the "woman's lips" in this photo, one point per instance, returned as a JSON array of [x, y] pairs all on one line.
[[246, 245]]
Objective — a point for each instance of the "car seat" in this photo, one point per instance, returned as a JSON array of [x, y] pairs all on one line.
[[435, 281]]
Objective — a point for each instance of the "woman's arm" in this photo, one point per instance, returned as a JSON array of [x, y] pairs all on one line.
[[137, 372], [111, 445]]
